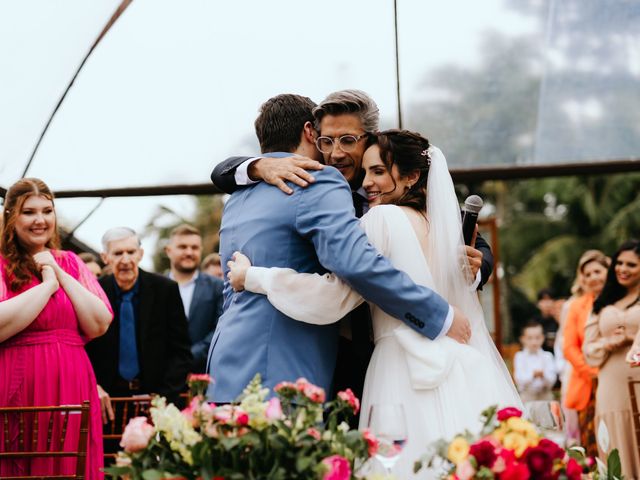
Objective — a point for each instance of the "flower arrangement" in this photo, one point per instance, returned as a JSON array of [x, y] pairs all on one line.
[[507, 448], [294, 434]]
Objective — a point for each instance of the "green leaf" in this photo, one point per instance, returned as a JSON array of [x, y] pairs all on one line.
[[614, 466], [153, 475]]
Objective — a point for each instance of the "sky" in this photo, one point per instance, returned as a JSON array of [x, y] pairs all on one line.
[[174, 88]]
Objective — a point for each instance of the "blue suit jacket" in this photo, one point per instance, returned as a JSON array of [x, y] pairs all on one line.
[[204, 311], [312, 230]]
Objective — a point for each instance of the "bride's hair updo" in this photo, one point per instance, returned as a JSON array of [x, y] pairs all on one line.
[[408, 151]]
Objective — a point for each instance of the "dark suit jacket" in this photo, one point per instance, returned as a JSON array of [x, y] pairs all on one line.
[[162, 338], [223, 177], [205, 309]]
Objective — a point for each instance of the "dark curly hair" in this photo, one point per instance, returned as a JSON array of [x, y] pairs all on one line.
[[20, 268], [408, 152], [612, 290]]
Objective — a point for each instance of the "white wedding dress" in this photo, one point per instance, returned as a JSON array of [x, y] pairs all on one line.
[[443, 385]]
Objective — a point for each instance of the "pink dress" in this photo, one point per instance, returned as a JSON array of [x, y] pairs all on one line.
[[46, 364]]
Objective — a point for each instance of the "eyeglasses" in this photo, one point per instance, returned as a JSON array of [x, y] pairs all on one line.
[[347, 143]]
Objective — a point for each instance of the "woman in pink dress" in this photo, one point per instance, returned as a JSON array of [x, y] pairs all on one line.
[[50, 306]]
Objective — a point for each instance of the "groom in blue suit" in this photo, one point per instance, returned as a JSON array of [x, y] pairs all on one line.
[[313, 230]]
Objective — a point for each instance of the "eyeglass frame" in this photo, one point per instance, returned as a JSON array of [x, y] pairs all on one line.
[[339, 139]]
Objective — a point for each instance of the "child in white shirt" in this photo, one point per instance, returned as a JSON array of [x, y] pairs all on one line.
[[534, 369]]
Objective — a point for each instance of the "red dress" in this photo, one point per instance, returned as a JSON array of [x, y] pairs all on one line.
[[46, 364]]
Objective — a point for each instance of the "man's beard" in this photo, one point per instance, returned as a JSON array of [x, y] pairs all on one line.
[[180, 268]]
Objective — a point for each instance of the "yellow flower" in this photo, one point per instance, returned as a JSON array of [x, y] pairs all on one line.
[[458, 450], [518, 424], [500, 432], [516, 442]]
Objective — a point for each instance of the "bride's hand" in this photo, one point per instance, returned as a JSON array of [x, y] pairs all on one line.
[[238, 270]]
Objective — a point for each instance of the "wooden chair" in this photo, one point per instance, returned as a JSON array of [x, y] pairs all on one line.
[[29, 422], [124, 409], [635, 409]]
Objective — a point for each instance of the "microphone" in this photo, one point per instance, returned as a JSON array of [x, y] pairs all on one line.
[[472, 206]]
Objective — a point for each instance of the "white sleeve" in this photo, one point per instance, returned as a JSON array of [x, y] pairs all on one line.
[[307, 297], [550, 373], [314, 298], [242, 172], [522, 373]]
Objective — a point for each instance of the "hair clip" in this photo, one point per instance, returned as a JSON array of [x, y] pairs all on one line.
[[425, 152]]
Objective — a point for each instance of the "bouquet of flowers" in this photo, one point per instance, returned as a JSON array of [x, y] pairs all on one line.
[[294, 434], [507, 448]]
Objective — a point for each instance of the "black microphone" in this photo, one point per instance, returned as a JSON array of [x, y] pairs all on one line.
[[472, 206]]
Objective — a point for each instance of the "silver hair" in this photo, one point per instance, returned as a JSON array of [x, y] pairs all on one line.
[[117, 233], [349, 101]]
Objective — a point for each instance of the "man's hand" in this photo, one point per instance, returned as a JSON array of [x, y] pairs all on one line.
[[460, 329], [275, 171], [105, 405]]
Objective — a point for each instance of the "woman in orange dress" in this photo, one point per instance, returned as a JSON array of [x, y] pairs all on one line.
[[580, 393]]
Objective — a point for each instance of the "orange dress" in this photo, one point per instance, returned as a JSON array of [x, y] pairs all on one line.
[[582, 375]]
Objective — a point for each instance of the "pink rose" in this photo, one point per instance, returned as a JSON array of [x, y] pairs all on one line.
[[349, 397], [274, 410], [223, 413], [574, 470], [508, 412], [515, 471], [313, 393], [464, 470], [302, 383], [371, 440], [313, 432], [136, 435], [242, 417], [339, 468]]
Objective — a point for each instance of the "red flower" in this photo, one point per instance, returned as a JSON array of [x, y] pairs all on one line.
[[313, 393], [484, 453], [242, 418], [199, 377], [371, 440], [552, 449], [349, 397], [515, 471], [508, 412], [574, 470], [314, 433], [539, 461]]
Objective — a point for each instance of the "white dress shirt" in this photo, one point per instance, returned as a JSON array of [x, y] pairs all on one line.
[[186, 291], [530, 387]]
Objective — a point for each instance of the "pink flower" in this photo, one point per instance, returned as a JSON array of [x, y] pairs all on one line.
[[274, 410], [199, 377], [505, 458], [136, 435], [301, 384], [349, 397], [242, 417], [313, 432], [223, 413], [189, 412], [286, 389], [508, 412], [371, 440], [574, 470], [339, 468], [313, 393], [464, 470], [515, 471]]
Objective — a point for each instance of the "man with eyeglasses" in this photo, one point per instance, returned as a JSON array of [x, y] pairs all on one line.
[[343, 120]]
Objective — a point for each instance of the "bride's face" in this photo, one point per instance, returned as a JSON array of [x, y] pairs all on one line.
[[382, 186]]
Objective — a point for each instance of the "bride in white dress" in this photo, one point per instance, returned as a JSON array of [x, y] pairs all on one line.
[[415, 222]]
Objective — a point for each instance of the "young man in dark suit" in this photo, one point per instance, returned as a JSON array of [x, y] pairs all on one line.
[[201, 293]]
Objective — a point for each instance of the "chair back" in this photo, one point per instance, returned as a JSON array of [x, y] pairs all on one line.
[[29, 422], [635, 408], [124, 409]]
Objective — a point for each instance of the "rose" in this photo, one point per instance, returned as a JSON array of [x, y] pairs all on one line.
[[508, 412], [339, 468], [274, 410], [515, 471], [464, 470], [553, 450], [313, 393], [516, 442], [484, 453], [504, 458], [372, 441], [241, 417], [313, 432], [349, 397], [136, 435], [539, 461], [458, 450], [574, 470]]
